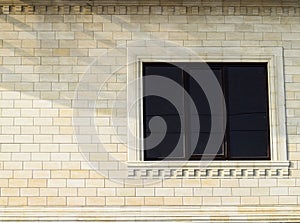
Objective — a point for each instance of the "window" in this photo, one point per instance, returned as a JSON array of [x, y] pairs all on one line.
[[271, 161], [245, 89]]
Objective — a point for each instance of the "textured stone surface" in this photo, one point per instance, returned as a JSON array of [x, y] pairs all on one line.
[[44, 51]]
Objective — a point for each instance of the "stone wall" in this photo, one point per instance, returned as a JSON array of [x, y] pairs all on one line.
[[47, 49]]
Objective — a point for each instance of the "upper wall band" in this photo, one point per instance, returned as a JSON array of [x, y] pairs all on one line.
[[152, 10]]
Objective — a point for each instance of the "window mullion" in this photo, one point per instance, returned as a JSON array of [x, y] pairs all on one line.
[[185, 116], [224, 88]]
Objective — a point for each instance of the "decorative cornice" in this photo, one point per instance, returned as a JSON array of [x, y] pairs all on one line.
[[150, 10], [210, 173], [258, 169]]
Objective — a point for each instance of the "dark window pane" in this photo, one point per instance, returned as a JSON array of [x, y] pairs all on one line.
[[246, 87], [201, 148], [202, 115], [171, 147], [173, 123], [168, 142], [248, 144], [164, 70], [256, 121], [197, 93], [162, 143], [247, 102], [155, 105], [205, 122]]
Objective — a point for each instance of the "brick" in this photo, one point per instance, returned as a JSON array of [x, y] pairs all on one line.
[[241, 191], [286, 200], [22, 174], [103, 35], [234, 36], [80, 174], [8, 35], [13, 165], [61, 52], [149, 27], [87, 192], [75, 183], [125, 192], [46, 35], [173, 200], [35, 18], [192, 200], [231, 200], [234, 19], [248, 182], [290, 36], [114, 201], [175, 36], [272, 36], [183, 192], [134, 201], [203, 192], [211, 201], [106, 192], [3, 183], [3, 201], [49, 192], [294, 191], [262, 28], [262, 191], [267, 183], [141, 192], [279, 191], [210, 182], [155, 201], [17, 201], [27, 35], [38, 173], [95, 201], [75, 201], [56, 183], [190, 183], [269, 200], [8, 192], [37, 201], [249, 200], [60, 174], [244, 28], [17, 183], [29, 192], [222, 192], [56, 201], [164, 192]]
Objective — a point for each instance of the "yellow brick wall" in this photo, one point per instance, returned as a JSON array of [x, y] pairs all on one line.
[[46, 49]]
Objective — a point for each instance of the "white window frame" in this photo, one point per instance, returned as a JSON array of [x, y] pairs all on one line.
[[277, 166]]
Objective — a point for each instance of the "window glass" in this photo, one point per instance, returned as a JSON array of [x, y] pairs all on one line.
[[245, 91]]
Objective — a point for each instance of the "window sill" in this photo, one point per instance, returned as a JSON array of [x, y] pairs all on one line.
[[194, 169]]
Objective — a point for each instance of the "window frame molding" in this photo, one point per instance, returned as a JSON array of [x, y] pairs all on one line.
[[277, 166]]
